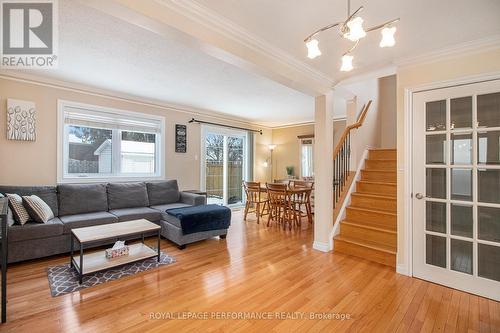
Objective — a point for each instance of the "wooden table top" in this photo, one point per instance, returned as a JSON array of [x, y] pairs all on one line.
[[113, 230], [290, 189]]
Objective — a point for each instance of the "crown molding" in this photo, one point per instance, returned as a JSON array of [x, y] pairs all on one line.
[[113, 95], [382, 71], [470, 47], [290, 125], [212, 20]]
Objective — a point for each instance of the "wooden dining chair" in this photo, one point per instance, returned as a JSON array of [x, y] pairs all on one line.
[[302, 199], [281, 210], [302, 183], [256, 199]]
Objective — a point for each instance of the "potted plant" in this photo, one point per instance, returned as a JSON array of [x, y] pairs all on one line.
[[289, 171]]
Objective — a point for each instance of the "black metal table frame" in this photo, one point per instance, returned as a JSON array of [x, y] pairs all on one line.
[[4, 256], [79, 269]]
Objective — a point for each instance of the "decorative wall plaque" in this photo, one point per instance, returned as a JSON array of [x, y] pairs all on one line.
[[21, 120], [180, 138]]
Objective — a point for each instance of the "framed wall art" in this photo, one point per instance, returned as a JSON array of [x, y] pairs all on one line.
[[180, 138], [21, 120]]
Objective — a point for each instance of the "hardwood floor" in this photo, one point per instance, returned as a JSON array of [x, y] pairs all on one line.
[[256, 270]]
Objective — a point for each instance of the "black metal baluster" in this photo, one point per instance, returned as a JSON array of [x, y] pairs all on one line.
[[334, 187], [349, 152], [343, 165], [341, 160]]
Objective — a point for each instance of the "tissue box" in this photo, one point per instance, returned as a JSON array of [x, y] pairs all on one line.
[[119, 252]]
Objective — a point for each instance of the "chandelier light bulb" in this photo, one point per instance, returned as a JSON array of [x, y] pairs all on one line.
[[313, 50], [356, 31], [388, 37], [346, 63]]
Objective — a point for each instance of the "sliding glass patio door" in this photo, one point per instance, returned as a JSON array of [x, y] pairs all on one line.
[[224, 165]]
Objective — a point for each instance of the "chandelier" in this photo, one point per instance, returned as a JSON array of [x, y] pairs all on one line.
[[352, 29]]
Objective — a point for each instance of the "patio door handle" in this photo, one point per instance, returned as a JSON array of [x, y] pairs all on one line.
[[419, 196]]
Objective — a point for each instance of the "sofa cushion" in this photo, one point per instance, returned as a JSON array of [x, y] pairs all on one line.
[[82, 198], [20, 213], [128, 214], [127, 195], [34, 230], [163, 209], [46, 193], [163, 192], [86, 220], [37, 208]]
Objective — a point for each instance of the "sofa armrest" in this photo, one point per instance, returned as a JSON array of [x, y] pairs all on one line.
[[4, 219], [193, 199]]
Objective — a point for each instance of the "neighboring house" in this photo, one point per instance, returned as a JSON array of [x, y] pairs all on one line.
[[136, 157], [105, 157]]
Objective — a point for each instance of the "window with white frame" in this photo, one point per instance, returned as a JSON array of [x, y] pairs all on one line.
[[98, 143], [306, 158]]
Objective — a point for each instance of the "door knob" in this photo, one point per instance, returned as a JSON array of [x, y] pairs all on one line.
[[419, 196]]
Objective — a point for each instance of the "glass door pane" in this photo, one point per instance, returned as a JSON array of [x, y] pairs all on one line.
[[214, 168], [235, 169]]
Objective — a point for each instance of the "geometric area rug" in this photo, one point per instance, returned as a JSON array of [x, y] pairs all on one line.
[[63, 279]]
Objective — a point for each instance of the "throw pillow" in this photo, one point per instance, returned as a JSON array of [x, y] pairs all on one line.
[[20, 213], [38, 209]]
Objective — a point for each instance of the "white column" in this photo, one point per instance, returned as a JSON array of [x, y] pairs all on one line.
[[323, 172]]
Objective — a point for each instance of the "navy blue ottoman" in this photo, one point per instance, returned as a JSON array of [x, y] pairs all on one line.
[[191, 224]]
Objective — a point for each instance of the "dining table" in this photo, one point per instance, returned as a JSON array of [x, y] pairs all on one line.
[[295, 193]]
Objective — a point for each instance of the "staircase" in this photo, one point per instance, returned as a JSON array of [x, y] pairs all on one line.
[[369, 229]]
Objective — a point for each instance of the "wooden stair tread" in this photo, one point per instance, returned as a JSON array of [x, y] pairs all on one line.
[[367, 244], [382, 159], [383, 149], [374, 196], [373, 210], [378, 170], [377, 183], [378, 227]]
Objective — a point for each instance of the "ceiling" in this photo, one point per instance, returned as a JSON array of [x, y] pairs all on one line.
[[426, 25], [105, 52]]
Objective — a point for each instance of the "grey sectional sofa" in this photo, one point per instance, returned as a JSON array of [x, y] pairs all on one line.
[[83, 205]]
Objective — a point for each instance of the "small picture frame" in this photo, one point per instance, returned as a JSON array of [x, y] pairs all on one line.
[[180, 138]]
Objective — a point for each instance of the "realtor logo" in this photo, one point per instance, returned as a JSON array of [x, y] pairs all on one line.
[[29, 34]]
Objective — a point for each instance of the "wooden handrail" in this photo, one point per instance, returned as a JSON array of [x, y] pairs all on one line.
[[348, 129], [342, 156]]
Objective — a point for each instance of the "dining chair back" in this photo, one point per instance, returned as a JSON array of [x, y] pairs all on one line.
[[280, 205], [254, 198]]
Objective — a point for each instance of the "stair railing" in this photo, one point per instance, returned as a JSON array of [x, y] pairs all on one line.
[[342, 156]]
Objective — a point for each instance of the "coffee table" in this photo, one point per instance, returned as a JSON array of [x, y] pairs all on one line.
[[97, 261]]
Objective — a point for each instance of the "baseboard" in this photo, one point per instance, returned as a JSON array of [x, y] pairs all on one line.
[[323, 247], [402, 269]]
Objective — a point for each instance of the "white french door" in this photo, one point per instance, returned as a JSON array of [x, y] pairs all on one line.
[[456, 187], [224, 165]]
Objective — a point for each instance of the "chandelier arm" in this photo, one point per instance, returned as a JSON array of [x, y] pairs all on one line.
[[333, 25], [352, 15], [352, 48], [382, 25]]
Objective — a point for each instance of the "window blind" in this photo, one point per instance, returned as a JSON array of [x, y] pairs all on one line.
[[109, 120]]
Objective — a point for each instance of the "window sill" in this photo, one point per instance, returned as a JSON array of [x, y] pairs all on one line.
[[108, 179]]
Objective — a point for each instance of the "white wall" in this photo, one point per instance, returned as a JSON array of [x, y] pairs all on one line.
[[35, 163], [388, 111], [367, 135]]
